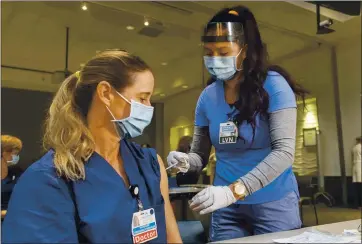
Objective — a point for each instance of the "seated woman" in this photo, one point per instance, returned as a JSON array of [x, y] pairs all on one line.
[[10, 149], [93, 181]]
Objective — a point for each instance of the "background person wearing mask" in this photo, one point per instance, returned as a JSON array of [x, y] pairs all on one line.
[[356, 174], [10, 149], [93, 181], [248, 113]]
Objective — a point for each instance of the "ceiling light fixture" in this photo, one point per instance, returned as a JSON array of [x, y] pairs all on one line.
[[84, 6], [164, 63], [130, 27], [185, 86], [146, 22]]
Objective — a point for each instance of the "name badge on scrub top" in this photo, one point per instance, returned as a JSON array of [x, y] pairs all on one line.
[[228, 133], [144, 227]]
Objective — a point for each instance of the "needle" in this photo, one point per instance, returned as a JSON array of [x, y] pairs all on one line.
[[171, 166]]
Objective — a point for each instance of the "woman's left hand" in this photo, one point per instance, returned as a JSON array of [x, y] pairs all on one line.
[[212, 198]]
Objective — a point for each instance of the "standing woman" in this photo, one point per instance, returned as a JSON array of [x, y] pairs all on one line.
[[93, 181], [248, 113]]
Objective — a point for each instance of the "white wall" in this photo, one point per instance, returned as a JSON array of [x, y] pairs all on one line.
[[178, 111], [313, 70], [349, 72]]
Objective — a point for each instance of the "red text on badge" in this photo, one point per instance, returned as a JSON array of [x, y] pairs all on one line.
[[145, 236]]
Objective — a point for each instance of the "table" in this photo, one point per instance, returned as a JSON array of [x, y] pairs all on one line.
[[184, 193], [335, 228]]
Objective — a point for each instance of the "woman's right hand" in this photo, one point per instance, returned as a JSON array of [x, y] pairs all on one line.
[[179, 161]]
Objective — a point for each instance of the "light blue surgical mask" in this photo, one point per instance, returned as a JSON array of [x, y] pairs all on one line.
[[222, 67], [139, 118], [15, 159]]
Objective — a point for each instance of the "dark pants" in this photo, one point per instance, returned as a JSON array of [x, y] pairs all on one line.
[[358, 194], [241, 220]]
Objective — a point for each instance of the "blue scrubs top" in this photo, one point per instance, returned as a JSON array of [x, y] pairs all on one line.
[[43, 206], [7, 186], [236, 160]]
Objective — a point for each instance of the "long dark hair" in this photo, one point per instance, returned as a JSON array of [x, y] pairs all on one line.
[[184, 144], [253, 99]]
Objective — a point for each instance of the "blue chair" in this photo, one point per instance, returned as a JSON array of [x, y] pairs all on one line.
[[192, 232], [172, 183]]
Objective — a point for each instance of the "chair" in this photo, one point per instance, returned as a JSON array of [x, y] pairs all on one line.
[[307, 189], [172, 182], [192, 232]]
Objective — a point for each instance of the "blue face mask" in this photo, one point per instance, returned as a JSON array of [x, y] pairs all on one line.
[[14, 160], [222, 68], [139, 118]]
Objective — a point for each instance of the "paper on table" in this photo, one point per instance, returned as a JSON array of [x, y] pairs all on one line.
[[318, 237], [351, 232]]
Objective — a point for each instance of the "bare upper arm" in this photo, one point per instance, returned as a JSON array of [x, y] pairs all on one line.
[[173, 234], [164, 180]]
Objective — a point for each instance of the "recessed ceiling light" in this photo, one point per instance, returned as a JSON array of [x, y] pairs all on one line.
[[84, 6], [146, 23], [130, 27], [164, 63], [162, 94], [185, 86]]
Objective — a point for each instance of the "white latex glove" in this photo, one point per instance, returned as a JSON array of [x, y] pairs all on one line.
[[212, 198], [179, 160]]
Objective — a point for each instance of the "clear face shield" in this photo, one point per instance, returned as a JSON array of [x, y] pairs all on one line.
[[223, 43]]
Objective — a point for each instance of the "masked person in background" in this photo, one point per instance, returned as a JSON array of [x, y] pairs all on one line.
[[248, 113], [10, 149], [93, 181]]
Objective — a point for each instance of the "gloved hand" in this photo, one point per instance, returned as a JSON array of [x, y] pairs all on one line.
[[180, 160], [212, 198]]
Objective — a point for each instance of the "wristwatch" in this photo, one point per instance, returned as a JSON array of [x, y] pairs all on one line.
[[239, 190]]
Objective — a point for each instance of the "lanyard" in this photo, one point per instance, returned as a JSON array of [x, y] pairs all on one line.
[[134, 190]]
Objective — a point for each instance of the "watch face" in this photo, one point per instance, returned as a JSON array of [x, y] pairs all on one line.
[[239, 189]]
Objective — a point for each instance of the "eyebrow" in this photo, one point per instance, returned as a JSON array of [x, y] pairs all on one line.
[[145, 93], [218, 48]]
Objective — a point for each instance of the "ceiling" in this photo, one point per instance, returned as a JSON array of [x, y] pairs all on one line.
[[33, 36]]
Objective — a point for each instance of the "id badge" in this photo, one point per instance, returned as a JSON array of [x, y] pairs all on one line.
[[144, 227], [228, 133]]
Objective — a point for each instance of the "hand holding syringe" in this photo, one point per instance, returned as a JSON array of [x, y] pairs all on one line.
[[173, 165]]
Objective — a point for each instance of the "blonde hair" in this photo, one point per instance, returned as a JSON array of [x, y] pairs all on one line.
[[66, 130], [10, 143]]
